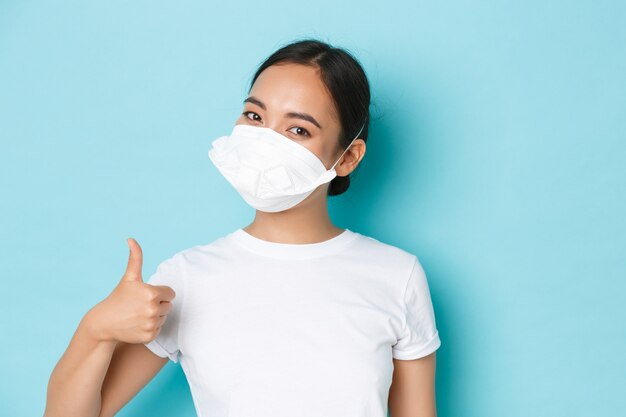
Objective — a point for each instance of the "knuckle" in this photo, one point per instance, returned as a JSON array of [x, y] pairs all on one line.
[[153, 294], [152, 311]]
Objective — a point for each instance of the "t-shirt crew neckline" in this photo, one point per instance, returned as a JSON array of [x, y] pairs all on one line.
[[293, 250]]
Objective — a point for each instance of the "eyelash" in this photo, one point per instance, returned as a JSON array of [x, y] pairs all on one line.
[[301, 128]]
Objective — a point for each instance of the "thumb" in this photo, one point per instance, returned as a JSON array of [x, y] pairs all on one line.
[[135, 261]]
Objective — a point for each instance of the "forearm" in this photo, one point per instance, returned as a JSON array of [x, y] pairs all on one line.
[[74, 388]]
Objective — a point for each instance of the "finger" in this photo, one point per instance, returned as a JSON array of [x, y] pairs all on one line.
[[165, 293], [160, 321], [164, 308], [135, 261]]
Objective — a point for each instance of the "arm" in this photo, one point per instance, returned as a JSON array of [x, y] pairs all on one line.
[[106, 362], [132, 367], [95, 377], [412, 392]]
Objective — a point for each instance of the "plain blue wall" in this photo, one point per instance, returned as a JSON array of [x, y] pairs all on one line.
[[497, 155]]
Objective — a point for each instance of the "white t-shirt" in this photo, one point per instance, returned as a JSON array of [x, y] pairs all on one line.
[[266, 329]]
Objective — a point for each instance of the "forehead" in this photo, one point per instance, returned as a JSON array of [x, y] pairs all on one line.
[[289, 87]]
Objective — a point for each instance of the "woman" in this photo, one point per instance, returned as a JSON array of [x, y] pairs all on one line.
[[291, 315]]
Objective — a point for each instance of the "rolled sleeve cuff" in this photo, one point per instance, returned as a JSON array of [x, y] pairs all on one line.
[[159, 350], [424, 350]]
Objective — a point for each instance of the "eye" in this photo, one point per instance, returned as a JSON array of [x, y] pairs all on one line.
[[306, 132], [246, 113]]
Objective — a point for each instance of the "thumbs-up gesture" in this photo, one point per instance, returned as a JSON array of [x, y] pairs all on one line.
[[134, 311]]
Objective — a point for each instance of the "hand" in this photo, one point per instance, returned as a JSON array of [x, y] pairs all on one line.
[[134, 311]]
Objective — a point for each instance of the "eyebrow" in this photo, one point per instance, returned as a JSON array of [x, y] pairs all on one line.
[[294, 115]]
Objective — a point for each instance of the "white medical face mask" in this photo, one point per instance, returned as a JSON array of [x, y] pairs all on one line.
[[271, 172]]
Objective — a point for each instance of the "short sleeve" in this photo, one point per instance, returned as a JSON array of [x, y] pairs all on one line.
[[419, 336], [166, 344]]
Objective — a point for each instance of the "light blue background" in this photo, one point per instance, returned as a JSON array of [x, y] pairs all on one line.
[[497, 155]]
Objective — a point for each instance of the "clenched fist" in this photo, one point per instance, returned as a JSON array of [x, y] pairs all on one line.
[[134, 311]]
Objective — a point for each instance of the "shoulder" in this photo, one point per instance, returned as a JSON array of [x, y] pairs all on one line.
[[394, 264], [198, 254], [386, 253], [174, 269]]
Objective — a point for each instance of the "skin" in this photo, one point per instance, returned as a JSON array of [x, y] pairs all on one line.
[[106, 363]]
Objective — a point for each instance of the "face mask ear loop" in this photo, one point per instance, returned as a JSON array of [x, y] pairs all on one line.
[[355, 138]]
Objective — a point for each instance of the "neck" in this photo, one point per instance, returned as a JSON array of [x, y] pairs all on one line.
[[307, 222]]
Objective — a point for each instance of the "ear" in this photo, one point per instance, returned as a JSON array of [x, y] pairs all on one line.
[[351, 158]]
